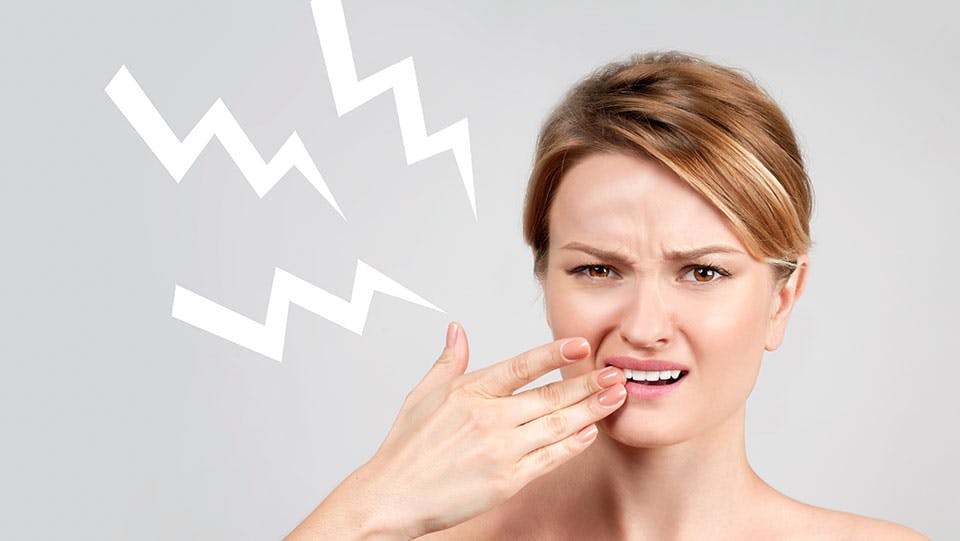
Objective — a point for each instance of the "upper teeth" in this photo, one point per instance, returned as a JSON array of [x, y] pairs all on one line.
[[640, 375]]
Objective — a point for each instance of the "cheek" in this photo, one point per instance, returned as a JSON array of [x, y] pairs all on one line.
[[726, 341], [727, 321], [723, 334], [580, 312]]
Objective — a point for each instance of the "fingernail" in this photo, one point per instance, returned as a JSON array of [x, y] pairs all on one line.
[[612, 396], [609, 376], [452, 332], [575, 349]]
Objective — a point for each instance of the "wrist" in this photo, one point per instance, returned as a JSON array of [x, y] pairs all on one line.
[[353, 510], [331, 520], [375, 513], [369, 524]]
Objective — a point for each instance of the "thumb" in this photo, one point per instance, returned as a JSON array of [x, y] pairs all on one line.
[[432, 388], [451, 364], [453, 361]]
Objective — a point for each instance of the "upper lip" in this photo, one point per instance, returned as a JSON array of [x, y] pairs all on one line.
[[646, 365]]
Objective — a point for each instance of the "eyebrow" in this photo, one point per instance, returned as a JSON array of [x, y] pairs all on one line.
[[673, 255]]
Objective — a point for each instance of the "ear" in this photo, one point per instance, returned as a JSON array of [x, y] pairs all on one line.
[[783, 302]]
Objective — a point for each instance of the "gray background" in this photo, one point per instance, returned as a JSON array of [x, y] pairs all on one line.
[[119, 421]]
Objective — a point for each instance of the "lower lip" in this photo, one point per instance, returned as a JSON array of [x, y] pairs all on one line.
[[648, 392]]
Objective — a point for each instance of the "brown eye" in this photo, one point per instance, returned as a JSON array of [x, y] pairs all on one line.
[[597, 273], [602, 272], [704, 274]]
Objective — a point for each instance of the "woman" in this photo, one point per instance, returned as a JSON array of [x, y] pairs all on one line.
[[668, 212]]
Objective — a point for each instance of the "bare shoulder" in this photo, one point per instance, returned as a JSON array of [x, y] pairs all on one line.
[[813, 522], [861, 527]]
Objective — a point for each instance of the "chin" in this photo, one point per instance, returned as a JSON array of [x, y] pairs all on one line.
[[631, 431]]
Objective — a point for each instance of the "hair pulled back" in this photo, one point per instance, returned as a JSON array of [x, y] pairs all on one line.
[[710, 124]]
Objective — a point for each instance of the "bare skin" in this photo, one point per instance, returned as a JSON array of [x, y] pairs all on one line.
[[464, 443], [467, 459], [545, 509], [675, 467]]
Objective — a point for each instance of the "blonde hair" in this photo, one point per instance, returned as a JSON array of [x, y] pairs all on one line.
[[713, 126]]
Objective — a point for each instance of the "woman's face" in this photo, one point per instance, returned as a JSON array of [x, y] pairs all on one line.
[[648, 305]]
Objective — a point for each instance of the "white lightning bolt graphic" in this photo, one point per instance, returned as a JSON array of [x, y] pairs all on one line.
[[349, 93], [218, 122], [268, 338]]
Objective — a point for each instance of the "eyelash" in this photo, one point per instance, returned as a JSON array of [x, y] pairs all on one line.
[[719, 272]]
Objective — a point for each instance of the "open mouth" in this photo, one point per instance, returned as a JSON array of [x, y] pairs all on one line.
[[665, 377]]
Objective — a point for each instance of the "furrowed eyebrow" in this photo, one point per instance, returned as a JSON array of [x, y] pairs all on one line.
[[673, 255], [699, 252], [598, 253]]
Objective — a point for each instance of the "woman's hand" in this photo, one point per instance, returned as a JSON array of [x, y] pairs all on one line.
[[463, 443]]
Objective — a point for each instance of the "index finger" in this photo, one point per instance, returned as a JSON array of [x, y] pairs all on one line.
[[505, 377]]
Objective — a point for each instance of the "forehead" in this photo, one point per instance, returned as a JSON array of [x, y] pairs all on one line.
[[637, 203]]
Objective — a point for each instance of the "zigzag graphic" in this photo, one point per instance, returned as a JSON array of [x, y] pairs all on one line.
[[349, 93], [218, 122], [268, 338]]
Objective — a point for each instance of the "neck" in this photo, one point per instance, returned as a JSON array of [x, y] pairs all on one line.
[[697, 488]]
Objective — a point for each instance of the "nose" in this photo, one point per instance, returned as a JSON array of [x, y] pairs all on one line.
[[646, 322]]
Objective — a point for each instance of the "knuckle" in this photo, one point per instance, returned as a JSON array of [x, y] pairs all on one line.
[[545, 457], [556, 425], [590, 384], [520, 368], [551, 395]]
